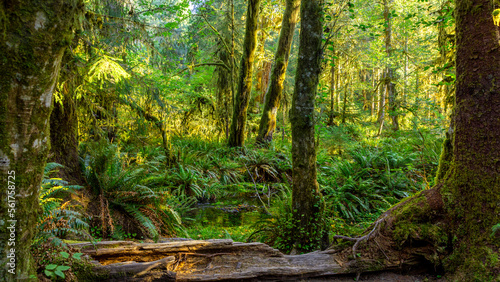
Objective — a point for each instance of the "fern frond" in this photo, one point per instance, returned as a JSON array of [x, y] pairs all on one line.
[[142, 219]]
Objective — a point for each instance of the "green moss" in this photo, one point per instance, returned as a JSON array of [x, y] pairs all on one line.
[[445, 159], [85, 271], [472, 199]]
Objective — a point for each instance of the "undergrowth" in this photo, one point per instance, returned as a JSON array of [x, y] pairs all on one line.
[[359, 177]]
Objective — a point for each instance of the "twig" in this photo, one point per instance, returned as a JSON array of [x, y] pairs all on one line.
[[257, 191], [381, 249]]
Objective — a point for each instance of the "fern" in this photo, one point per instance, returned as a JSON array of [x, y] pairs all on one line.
[[130, 191], [142, 219], [57, 219]]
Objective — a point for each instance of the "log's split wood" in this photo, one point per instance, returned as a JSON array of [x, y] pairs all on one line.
[[214, 260], [138, 271]]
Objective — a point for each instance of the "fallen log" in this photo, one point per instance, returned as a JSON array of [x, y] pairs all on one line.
[[221, 260]]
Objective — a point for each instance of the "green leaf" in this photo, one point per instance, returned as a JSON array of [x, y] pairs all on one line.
[[64, 254], [62, 268], [48, 273], [51, 266], [77, 255], [60, 274]]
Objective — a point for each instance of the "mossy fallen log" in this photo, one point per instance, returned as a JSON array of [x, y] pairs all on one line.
[[221, 260]]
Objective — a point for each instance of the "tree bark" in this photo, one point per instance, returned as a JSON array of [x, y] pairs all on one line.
[[238, 125], [306, 200], [472, 187], [389, 72], [33, 35], [333, 83], [275, 90]]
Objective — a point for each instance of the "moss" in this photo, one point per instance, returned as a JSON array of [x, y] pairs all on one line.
[[86, 272], [472, 216], [445, 158]]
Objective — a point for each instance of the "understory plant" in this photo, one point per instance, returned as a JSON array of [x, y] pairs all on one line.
[[124, 198], [59, 217]]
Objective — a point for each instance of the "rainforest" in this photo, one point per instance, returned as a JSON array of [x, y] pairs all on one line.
[[249, 140]]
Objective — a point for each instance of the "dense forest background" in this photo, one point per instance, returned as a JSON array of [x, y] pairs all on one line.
[[162, 124], [144, 103]]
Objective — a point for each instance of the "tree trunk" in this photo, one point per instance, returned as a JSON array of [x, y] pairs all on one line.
[[333, 84], [344, 103], [275, 90], [451, 224], [306, 200], [223, 88], [389, 73], [64, 125], [238, 125], [33, 35], [381, 104], [472, 188]]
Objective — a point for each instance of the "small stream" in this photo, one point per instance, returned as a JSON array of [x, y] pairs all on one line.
[[227, 215]]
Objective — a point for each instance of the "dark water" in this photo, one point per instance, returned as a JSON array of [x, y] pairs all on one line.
[[227, 215]]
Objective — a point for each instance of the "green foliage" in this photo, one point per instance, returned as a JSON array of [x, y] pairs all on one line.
[[124, 190], [59, 217], [54, 271], [277, 229], [368, 182], [60, 264], [495, 229]]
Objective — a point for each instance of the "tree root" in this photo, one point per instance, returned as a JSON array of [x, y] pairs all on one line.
[[361, 239]]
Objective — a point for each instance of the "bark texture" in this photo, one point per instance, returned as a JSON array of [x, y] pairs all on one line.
[[306, 200], [471, 189], [389, 85], [33, 36], [275, 90], [238, 125]]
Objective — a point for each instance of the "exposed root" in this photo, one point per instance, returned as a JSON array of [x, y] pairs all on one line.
[[361, 239]]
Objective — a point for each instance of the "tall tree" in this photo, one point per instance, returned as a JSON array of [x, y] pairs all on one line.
[[389, 85], [306, 199], [34, 35], [238, 124], [64, 123], [275, 90], [451, 224], [471, 189]]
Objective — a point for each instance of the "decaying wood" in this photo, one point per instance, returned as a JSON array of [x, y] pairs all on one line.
[[136, 268], [212, 260]]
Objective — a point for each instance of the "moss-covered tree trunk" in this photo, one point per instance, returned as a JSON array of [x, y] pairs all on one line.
[[64, 124], [306, 200], [389, 85], [33, 36], [275, 90], [238, 124], [333, 84], [471, 190], [451, 224]]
